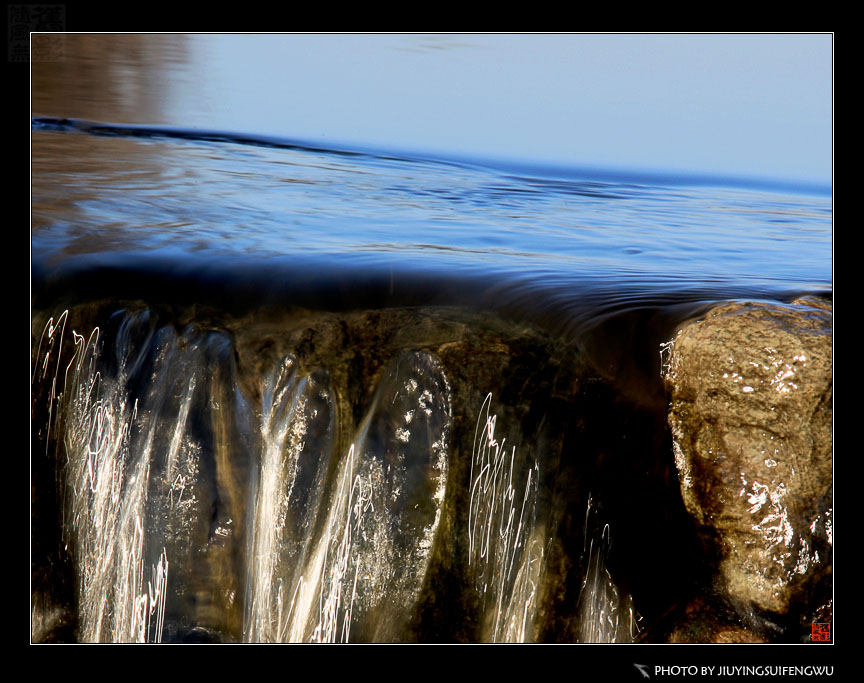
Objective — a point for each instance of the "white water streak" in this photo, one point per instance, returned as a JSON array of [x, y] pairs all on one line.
[[344, 554], [106, 511], [331, 573], [346, 515], [502, 534], [322, 601], [264, 621], [605, 616]]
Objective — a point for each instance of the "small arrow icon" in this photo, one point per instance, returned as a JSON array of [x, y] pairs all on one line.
[[643, 669]]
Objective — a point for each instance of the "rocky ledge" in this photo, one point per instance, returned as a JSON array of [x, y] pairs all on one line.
[[750, 389]]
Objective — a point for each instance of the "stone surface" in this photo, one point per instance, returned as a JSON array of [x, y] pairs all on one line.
[[751, 419]]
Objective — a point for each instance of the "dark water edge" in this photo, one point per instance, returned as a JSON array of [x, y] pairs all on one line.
[[620, 323], [603, 344]]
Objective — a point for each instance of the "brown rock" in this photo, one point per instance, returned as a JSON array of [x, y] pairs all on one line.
[[751, 418]]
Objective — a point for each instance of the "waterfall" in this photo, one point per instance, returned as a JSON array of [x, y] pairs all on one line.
[[200, 500]]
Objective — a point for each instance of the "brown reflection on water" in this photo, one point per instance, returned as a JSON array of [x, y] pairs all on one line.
[[89, 194], [109, 77], [102, 77]]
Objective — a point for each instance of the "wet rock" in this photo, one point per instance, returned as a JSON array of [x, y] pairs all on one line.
[[751, 418], [705, 619]]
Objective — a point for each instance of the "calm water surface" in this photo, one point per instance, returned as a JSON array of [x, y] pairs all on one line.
[[125, 201], [277, 191]]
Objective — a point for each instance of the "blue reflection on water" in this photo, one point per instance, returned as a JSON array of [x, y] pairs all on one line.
[[200, 198]]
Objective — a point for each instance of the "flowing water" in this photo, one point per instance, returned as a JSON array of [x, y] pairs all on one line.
[[285, 392]]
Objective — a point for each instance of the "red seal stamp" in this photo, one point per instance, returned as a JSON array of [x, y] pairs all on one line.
[[821, 633]]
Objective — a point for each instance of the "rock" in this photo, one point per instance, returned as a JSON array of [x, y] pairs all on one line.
[[703, 620], [751, 420]]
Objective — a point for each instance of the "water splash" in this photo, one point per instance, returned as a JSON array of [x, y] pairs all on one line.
[[506, 546]]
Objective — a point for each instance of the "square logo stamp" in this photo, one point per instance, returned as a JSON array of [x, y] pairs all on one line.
[[24, 19], [821, 633]]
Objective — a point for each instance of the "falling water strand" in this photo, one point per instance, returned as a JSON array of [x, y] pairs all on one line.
[[285, 551], [264, 623], [52, 340], [107, 484], [332, 571], [505, 543], [341, 567], [322, 575], [605, 616]]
